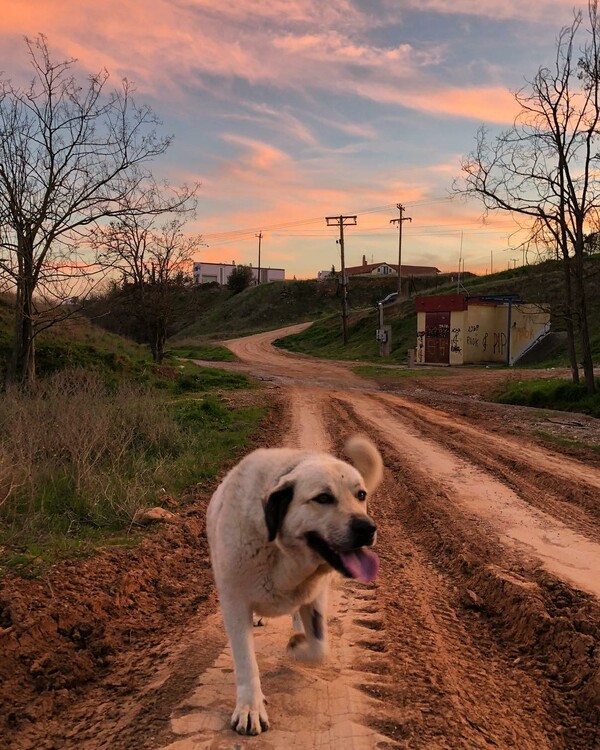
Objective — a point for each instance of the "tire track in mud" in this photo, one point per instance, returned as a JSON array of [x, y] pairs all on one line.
[[565, 488], [535, 637]]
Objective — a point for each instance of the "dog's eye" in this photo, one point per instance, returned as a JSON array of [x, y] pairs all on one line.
[[324, 499], [362, 495]]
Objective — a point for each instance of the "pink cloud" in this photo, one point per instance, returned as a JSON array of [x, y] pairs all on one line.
[[484, 103], [163, 47], [276, 119]]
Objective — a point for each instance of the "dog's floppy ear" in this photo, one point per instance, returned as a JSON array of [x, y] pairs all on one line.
[[276, 507], [366, 458]]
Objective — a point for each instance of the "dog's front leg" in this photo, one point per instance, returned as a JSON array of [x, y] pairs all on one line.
[[312, 645], [250, 716]]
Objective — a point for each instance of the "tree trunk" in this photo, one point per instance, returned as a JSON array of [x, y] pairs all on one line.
[[21, 368], [157, 347], [586, 347], [158, 350], [569, 310]]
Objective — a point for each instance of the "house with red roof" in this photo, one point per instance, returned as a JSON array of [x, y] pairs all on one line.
[[389, 269]]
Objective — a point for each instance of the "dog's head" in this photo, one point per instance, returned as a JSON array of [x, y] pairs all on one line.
[[321, 503]]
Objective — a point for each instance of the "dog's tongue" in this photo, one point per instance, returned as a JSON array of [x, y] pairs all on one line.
[[362, 564]]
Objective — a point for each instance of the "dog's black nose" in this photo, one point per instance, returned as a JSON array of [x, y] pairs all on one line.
[[363, 531]]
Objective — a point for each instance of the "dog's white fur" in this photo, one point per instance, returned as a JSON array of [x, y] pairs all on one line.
[[257, 522]]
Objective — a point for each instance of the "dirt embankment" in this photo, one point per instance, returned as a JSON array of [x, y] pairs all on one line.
[[482, 630], [79, 622]]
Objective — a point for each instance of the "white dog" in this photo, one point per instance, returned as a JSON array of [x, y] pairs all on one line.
[[278, 524]]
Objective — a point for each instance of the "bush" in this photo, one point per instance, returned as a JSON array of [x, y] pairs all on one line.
[[239, 279]]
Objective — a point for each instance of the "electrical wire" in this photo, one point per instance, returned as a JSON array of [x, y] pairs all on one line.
[[240, 233]]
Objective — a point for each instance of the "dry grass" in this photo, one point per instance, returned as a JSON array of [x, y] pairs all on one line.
[[74, 451]]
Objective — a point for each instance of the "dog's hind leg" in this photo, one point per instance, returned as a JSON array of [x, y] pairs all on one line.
[[250, 715], [297, 625], [312, 645]]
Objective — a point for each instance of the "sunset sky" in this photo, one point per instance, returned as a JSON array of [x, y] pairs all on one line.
[[288, 111]]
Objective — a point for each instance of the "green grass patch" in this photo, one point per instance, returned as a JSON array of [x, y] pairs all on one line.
[[217, 432], [195, 378], [324, 338], [553, 393], [564, 442], [206, 352], [393, 373]]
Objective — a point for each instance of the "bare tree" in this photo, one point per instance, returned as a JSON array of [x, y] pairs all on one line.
[[71, 154], [154, 260], [545, 166]]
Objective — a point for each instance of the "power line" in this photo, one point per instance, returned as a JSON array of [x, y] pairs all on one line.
[[223, 238], [231, 234]]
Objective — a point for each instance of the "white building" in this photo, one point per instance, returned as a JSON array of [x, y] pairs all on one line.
[[204, 273], [323, 275]]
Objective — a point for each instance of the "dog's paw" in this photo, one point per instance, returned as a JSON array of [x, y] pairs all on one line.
[[300, 648], [250, 719]]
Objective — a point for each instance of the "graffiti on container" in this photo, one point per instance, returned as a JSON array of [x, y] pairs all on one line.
[[420, 346], [472, 329], [472, 341], [454, 346], [484, 342], [437, 332], [499, 343]]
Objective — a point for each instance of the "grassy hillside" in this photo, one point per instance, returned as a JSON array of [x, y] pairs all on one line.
[[283, 303], [541, 283], [75, 342]]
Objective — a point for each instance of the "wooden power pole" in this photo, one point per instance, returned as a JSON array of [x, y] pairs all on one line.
[[399, 221], [341, 222], [259, 235]]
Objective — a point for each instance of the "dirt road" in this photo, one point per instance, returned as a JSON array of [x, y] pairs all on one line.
[[482, 630]]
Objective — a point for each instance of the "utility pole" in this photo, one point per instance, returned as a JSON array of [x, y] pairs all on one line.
[[259, 235], [341, 222], [399, 221], [460, 259]]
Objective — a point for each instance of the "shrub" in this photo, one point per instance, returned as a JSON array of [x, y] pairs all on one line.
[[239, 279]]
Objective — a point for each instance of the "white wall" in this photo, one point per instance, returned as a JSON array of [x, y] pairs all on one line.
[[221, 272]]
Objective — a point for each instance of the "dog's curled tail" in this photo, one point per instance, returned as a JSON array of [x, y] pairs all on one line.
[[366, 458]]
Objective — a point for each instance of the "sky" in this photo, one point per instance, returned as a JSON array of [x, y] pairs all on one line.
[[288, 111]]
